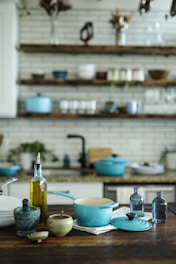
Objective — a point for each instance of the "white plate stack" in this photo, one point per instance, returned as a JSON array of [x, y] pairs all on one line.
[[7, 206], [150, 169]]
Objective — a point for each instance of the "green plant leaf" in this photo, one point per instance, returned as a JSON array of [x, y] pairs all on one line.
[[34, 148]]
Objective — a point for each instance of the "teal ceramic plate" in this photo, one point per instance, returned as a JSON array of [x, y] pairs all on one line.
[[136, 224]]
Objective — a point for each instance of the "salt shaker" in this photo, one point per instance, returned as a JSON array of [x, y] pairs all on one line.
[[137, 203], [159, 208]]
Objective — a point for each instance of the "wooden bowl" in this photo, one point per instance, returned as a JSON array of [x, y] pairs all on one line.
[[158, 74], [38, 76]]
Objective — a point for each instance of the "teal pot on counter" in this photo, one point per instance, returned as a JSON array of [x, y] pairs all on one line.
[[110, 166], [9, 170], [91, 211]]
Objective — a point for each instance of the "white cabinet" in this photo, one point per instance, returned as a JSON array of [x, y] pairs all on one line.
[[122, 193], [19, 189], [8, 58], [79, 189]]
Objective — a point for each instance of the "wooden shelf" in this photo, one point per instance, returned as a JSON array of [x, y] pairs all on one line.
[[98, 115], [97, 49], [146, 83]]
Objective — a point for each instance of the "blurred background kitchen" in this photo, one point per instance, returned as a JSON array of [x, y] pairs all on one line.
[[138, 140]]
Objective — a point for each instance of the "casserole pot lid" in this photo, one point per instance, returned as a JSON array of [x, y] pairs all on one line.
[[137, 224], [38, 96], [113, 160]]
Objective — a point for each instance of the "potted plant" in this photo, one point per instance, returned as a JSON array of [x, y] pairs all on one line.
[[27, 152]]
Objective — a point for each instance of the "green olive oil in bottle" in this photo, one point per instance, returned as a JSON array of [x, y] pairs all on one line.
[[38, 191]]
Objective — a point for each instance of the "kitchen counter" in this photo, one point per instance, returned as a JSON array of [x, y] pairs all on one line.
[[128, 178], [153, 246]]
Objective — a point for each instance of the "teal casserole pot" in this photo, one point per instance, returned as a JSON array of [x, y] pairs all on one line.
[[91, 211], [9, 171], [94, 211], [39, 104], [110, 166]]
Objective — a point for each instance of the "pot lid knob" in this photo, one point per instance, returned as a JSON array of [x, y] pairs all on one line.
[[131, 216]]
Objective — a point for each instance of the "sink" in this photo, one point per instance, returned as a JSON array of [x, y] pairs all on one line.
[[60, 172]]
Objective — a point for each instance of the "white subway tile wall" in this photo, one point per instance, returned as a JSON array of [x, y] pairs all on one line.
[[137, 140]]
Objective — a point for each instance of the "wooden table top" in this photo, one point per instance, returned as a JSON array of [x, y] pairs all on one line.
[[153, 246]]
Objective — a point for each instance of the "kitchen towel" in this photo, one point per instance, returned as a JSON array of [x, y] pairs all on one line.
[[102, 229]]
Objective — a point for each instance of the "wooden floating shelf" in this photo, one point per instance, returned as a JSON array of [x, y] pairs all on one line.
[[98, 49], [98, 115], [146, 83]]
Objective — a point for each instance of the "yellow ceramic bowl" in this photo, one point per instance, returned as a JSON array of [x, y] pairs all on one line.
[[60, 224]]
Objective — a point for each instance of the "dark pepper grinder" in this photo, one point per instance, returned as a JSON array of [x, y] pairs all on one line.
[[26, 218], [159, 208]]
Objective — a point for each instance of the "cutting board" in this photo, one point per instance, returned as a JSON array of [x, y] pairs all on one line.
[[98, 153]]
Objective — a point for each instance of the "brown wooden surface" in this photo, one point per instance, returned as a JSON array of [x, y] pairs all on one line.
[[98, 49], [157, 245], [147, 83], [98, 115]]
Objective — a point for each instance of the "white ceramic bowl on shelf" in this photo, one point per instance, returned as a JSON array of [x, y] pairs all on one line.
[[86, 72]]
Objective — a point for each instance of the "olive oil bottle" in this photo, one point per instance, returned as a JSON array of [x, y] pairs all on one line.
[[38, 191]]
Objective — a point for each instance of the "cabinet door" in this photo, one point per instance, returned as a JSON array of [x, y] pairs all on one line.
[[122, 193], [78, 189], [19, 189], [168, 193], [8, 59]]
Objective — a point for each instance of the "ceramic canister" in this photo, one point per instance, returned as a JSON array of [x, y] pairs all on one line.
[[133, 107], [60, 224]]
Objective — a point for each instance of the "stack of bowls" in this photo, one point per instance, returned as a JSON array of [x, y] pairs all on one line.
[[7, 206]]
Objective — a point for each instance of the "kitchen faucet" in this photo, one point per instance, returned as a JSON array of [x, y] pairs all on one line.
[[7, 183], [82, 158]]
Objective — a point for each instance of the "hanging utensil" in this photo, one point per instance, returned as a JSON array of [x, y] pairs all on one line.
[[173, 8], [86, 32], [145, 6]]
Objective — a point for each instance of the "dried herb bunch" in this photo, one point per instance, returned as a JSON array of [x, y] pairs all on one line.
[[120, 21]]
